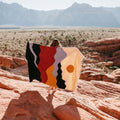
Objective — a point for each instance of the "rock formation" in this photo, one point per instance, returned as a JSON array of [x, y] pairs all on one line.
[[92, 100], [8, 62], [109, 49], [103, 57]]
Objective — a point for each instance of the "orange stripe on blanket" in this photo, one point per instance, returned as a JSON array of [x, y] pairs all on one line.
[[52, 81]]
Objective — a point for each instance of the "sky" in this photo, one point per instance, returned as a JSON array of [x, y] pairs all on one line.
[[61, 4]]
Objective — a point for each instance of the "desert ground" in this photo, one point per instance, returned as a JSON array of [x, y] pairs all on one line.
[[13, 42]]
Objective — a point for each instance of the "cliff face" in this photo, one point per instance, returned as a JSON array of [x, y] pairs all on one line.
[[101, 60], [108, 49], [92, 100]]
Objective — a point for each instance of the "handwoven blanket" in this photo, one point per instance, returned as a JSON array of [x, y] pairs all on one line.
[[55, 66]]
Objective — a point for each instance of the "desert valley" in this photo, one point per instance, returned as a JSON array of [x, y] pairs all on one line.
[[97, 96]]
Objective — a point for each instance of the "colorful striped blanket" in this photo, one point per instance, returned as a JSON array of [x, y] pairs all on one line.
[[55, 66]]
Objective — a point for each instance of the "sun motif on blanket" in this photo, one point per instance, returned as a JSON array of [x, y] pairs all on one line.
[[70, 68]]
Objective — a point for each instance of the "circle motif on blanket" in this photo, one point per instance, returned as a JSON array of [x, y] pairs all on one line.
[[70, 68]]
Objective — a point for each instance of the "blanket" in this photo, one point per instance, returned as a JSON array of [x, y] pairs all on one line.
[[55, 66]]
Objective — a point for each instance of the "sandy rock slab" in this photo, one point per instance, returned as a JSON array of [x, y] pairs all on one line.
[[92, 100]]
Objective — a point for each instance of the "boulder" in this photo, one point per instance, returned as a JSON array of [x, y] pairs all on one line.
[[67, 112], [72, 111], [9, 62]]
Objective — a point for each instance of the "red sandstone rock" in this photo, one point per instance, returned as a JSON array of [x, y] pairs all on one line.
[[91, 69], [22, 70], [116, 53], [10, 62], [116, 60], [27, 101], [71, 111], [108, 41], [90, 43], [116, 75], [20, 61], [84, 75], [96, 53], [91, 75], [67, 112], [108, 78], [30, 105], [7, 62], [116, 72], [109, 49], [109, 109], [12, 76], [109, 63], [90, 60], [92, 100]]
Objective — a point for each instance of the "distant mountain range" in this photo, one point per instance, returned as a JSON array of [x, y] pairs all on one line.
[[75, 15]]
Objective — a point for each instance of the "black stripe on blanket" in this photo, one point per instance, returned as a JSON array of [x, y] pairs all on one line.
[[34, 73]]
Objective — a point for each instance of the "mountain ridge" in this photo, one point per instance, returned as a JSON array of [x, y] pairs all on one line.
[[75, 15]]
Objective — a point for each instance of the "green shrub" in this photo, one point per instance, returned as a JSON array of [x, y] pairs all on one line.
[[113, 67]]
